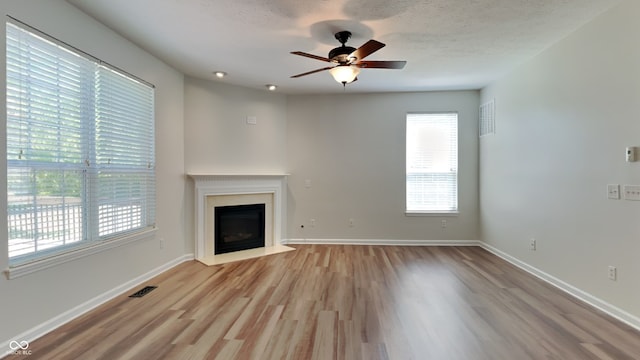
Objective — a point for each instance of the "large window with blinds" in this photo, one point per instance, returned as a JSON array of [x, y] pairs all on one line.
[[432, 163], [80, 149]]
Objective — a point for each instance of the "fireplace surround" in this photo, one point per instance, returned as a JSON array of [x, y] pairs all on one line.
[[220, 190]]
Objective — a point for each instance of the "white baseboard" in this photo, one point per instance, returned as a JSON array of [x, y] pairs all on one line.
[[600, 304], [381, 242], [52, 324]]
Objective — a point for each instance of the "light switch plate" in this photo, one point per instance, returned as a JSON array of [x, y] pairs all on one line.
[[613, 191]]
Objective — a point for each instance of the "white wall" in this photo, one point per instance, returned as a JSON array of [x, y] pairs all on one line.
[[563, 122], [351, 147], [34, 299]]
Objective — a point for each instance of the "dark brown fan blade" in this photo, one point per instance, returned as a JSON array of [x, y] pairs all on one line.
[[381, 64], [311, 72], [367, 49], [310, 56]]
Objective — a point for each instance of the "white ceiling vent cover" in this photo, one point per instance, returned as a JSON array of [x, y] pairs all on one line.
[[487, 118]]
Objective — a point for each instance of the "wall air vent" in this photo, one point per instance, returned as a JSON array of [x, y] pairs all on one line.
[[487, 118], [142, 292]]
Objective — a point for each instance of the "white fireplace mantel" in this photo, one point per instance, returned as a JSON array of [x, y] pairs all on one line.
[[239, 184]]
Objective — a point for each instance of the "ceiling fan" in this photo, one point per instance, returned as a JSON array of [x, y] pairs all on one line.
[[350, 60]]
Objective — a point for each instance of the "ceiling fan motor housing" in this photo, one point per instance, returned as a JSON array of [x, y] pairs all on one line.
[[341, 54]]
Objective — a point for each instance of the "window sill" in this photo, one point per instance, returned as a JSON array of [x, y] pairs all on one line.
[[431, 213], [35, 265]]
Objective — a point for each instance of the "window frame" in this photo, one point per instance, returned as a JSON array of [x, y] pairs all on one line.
[[454, 211], [90, 243]]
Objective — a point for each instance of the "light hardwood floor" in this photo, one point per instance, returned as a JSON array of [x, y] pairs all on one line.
[[346, 302]]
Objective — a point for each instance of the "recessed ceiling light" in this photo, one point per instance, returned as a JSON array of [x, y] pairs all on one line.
[[219, 74], [271, 87]]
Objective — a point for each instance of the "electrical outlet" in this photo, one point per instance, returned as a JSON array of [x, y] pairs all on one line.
[[443, 223], [161, 243], [532, 244], [352, 222], [613, 273], [312, 222]]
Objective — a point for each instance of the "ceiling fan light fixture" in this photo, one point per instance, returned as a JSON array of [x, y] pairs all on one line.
[[345, 74], [271, 87], [219, 74]]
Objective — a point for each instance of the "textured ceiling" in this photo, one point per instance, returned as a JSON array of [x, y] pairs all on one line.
[[448, 44]]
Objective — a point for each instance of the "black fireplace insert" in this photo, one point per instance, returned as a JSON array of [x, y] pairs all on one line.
[[239, 227]]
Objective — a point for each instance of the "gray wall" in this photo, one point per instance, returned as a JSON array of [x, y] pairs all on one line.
[[351, 148], [34, 299], [563, 122], [218, 139], [217, 136]]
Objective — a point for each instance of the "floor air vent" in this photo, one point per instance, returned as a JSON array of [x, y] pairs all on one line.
[[142, 292]]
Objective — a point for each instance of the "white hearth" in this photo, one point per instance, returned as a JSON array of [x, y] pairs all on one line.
[[213, 190]]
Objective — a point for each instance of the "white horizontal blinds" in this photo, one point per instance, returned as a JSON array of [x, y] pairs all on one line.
[[80, 149], [47, 90], [124, 153], [432, 162]]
